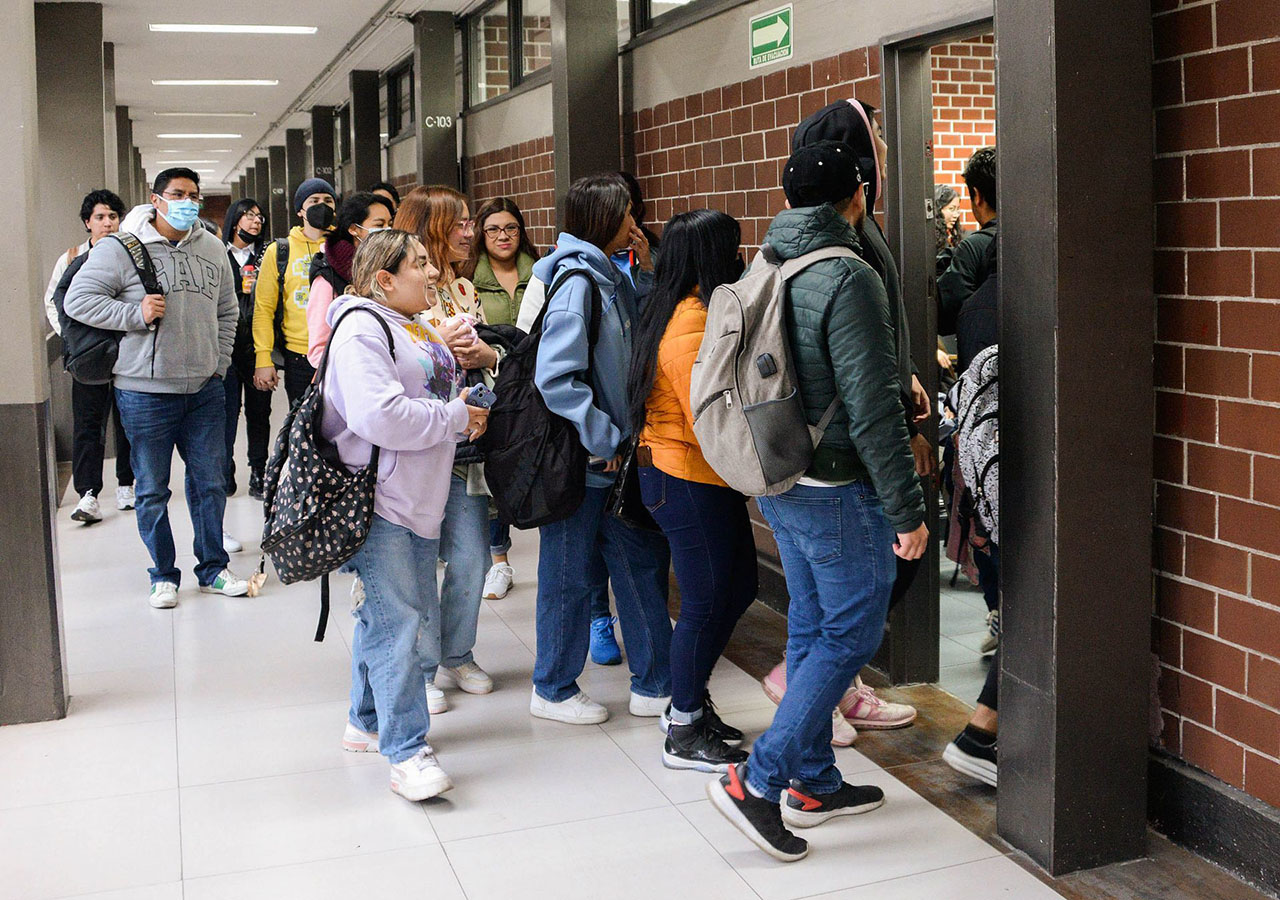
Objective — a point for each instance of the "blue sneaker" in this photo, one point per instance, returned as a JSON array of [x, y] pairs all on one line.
[[604, 645]]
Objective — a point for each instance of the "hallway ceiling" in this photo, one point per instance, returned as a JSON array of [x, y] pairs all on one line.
[[142, 56]]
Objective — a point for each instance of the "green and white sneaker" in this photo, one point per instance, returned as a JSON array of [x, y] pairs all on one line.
[[227, 583], [164, 595]]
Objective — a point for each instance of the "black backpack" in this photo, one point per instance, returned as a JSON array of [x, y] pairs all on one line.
[[317, 513], [535, 465], [89, 353]]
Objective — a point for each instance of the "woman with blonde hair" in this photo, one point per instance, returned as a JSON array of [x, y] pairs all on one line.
[[390, 382], [440, 218]]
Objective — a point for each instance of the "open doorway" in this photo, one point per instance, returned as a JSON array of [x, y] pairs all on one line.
[[940, 107]]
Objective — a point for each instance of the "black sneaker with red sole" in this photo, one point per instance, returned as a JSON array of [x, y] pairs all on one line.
[[757, 818], [803, 808]]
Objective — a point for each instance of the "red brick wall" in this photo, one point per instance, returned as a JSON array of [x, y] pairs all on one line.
[[1217, 175], [525, 173], [964, 109], [724, 148]]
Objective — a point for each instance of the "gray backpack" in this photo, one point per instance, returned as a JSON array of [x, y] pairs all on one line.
[[747, 412], [978, 437]]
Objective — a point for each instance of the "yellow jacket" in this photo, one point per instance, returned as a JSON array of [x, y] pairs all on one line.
[[297, 288], [668, 417]]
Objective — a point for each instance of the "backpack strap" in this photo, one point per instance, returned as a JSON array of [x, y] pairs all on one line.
[[282, 264], [71, 254], [793, 267], [597, 310], [141, 261], [827, 416]]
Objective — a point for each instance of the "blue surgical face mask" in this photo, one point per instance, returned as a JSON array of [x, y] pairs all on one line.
[[181, 214]]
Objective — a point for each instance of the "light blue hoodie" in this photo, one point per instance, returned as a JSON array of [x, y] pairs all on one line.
[[595, 403]]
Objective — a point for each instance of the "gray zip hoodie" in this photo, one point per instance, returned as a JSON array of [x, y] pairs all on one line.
[[193, 341]]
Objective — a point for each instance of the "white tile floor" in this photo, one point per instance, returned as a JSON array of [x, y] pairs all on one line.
[[201, 759], [962, 615]]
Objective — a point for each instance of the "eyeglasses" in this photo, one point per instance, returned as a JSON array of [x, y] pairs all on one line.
[[465, 224], [182, 195], [256, 216], [511, 230]]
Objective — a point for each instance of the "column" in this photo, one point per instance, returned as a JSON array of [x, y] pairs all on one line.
[[124, 156], [250, 177], [366, 143], [237, 191], [1076, 409], [69, 73], [262, 181], [295, 160], [435, 98], [584, 90], [142, 185], [111, 157], [33, 673], [322, 150], [281, 197]]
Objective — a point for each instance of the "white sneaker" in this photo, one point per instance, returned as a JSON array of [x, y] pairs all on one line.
[[498, 582], [842, 733], [87, 510], [227, 583], [230, 544], [577, 710], [471, 678], [992, 639], [125, 498], [356, 741], [436, 701], [420, 776], [648, 706], [164, 595]]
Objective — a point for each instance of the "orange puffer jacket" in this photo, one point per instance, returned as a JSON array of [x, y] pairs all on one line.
[[668, 429]]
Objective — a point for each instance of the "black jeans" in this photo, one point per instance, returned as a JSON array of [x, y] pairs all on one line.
[[298, 373], [91, 404], [990, 696], [257, 417], [714, 556]]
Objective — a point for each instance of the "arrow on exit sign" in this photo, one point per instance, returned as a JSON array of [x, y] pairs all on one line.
[[771, 37]]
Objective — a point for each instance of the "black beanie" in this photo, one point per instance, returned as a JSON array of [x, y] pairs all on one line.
[[848, 121]]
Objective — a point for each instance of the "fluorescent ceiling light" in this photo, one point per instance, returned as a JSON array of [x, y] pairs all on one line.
[[203, 171], [185, 136], [191, 150], [237, 29], [214, 82], [188, 162], [208, 115]]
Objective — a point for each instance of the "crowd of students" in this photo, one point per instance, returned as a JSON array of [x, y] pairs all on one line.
[[398, 309]]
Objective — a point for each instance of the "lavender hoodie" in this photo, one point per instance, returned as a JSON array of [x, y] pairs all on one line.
[[410, 408]]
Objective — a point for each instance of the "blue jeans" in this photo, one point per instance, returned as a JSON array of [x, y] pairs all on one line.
[[450, 631], [714, 553], [577, 558], [194, 424], [398, 569], [499, 537], [836, 548]]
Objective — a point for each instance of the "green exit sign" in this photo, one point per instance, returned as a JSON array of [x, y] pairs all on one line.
[[771, 37]]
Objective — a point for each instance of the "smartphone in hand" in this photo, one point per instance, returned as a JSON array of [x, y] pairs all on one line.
[[480, 396]]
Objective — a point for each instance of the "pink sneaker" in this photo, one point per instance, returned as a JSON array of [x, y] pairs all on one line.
[[842, 733], [861, 707], [775, 683]]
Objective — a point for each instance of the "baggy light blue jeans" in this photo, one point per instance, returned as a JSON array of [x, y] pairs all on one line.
[[450, 632]]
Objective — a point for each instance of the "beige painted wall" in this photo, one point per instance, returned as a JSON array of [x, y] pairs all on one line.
[[715, 52], [521, 118], [24, 377]]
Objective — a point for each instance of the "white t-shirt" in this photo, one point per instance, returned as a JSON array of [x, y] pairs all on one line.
[[59, 269]]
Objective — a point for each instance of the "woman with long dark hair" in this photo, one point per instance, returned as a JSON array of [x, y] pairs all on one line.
[[704, 519], [243, 233], [500, 268], [360, 215], [587, 385]]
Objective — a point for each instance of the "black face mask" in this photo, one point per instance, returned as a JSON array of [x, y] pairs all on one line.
[[320, 216], [246, 236]]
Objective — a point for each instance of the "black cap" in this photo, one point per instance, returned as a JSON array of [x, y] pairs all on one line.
[[825, 172], [848, 121]]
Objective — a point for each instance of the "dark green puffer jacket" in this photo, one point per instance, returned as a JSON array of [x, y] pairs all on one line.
[[842, 340]]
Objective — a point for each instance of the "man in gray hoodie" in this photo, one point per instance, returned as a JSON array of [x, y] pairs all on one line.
[[175, 348]]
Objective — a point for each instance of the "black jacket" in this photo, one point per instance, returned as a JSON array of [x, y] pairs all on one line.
[[971, 265], [242, 350], [977, 326], [322, 268]]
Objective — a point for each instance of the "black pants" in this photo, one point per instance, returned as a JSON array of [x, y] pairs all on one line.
[[257, 417], [91, 404], [298, 373], [990, 690]]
